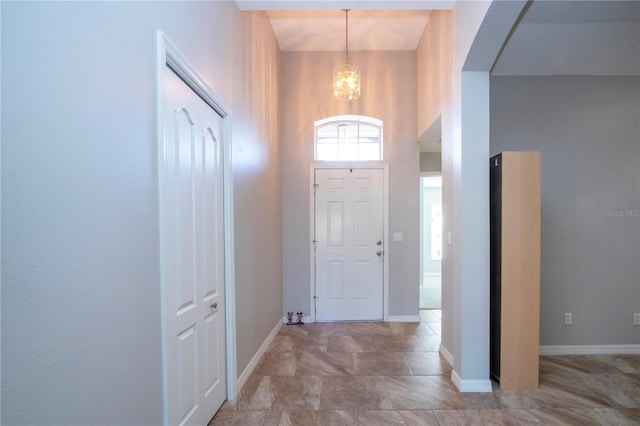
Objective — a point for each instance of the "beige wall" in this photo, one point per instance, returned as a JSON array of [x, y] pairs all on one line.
[[434, 68], [388, 93], [257, 188], [434, 58]]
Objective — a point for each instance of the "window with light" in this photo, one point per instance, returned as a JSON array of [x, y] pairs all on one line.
[[348, 138], [436, 232]]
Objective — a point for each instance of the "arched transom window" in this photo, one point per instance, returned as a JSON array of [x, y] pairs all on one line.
[[348, 138]]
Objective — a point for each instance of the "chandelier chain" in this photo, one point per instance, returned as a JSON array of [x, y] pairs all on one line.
[[347, 35]]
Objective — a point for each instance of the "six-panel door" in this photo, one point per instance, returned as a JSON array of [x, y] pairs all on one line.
[[349, 227], [193, 257]]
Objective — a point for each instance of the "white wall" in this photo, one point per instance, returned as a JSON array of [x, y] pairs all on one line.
[[388, 93], [81, 338], [464, 266], [467, 316], [479, 31], [587, 130]]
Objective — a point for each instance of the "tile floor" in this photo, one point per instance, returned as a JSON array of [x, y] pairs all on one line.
[[392, 374]]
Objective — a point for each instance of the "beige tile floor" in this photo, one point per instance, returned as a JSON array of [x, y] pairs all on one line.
[[392, 374]]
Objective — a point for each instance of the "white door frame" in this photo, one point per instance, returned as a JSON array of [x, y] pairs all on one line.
[[422, 213], [169, 56], [385, 206]]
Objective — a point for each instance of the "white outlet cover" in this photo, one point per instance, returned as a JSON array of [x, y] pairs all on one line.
[[398, 236], [568, 318]]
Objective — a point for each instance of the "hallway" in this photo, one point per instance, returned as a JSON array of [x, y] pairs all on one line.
[[391, 373]]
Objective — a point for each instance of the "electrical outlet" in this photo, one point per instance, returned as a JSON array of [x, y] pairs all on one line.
[[568, 318], [636, 318]]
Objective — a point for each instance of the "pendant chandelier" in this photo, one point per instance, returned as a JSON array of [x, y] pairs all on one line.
[[346, 78]]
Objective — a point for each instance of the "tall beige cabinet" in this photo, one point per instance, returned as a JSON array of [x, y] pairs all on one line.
[[515, 269]]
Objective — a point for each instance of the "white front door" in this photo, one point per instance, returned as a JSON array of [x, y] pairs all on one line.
[[193, 255], [349, 235]]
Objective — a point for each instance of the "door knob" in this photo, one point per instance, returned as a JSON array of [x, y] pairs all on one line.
[[379, 242], [379, 253]]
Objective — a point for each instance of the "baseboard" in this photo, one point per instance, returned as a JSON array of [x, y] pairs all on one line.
[[242, 379], [305, 320], [392, 318], [404, 318], [470, 385], [589, 349], [446, 355]]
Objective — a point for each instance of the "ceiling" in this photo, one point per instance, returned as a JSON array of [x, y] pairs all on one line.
[[324, 30], [319, 25], [582, 12], [574, 38]]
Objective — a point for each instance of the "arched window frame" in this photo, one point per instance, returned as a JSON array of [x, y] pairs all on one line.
[[344, 121]]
